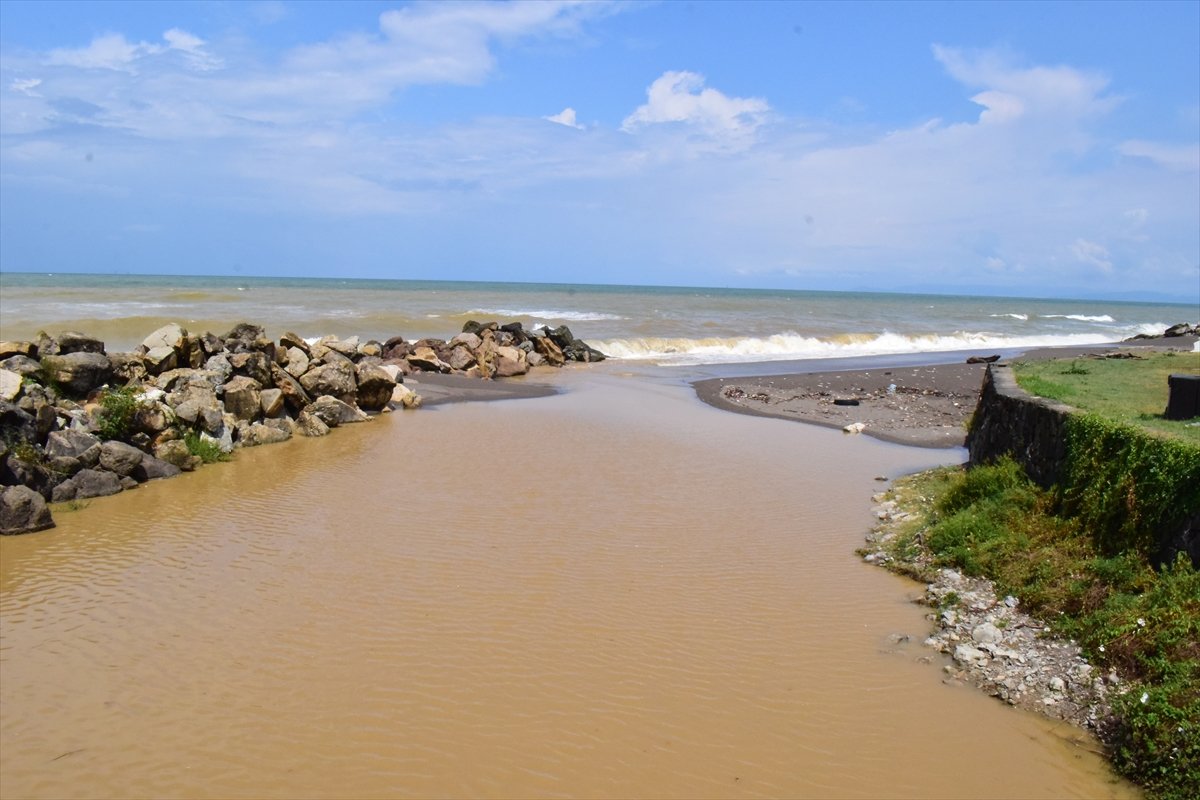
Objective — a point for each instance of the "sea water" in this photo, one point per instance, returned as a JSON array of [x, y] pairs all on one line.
[[675, 326]]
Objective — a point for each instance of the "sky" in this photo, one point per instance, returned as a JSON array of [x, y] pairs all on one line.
[[1016, 148]]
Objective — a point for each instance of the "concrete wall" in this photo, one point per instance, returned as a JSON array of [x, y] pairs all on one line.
[[1009, 421]]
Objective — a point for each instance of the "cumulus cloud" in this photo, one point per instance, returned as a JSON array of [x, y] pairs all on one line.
[[193, 49], [112, 51], [565, 117], [682, 97]]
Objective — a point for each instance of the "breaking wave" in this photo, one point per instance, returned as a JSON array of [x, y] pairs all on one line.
[[1022, 317], [789, 346], [1081, 317], [546, 314]]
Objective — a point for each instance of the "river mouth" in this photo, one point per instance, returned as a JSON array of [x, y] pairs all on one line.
[[614, 591]]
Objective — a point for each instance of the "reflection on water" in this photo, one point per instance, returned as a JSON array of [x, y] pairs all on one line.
[[613, 592]]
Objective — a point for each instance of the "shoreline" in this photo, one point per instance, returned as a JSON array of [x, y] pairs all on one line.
[[929, 406]]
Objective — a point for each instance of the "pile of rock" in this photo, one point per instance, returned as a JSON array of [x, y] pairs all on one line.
[[79, 422]]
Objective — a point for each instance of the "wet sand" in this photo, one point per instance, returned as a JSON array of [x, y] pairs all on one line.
[[615, 591], [923, 406]]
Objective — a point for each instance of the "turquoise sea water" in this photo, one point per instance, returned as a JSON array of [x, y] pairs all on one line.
[[648, 324]]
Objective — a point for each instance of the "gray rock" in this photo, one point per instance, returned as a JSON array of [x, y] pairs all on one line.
[[76, 445], [309, 424], [987, 633], [294, 394], [461, 357], [254, 365], [24, 366], [161, 359], [258, 434], [152, 468], [75, 342], [87, 483], [271, 402], [375, 387], [10, 385], [334, 412], [171, 336], [176, 452], [297, 362], [17, 423], [22, 510], [243, 397], [335, 380], [120, 458], [220, 365], [965, 654], [153, 418], [78, 373]]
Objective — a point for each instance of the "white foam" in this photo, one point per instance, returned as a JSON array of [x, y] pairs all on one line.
[[790, 345], [1081, 317], [547, 314], [1022, 317]]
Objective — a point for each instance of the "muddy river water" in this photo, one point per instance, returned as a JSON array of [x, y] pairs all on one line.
[[613, 592]]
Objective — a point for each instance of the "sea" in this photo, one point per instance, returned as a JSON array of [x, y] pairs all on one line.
[[612, 591], [659, 325]]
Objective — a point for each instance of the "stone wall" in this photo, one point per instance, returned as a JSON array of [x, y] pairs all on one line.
[[1009, 421]]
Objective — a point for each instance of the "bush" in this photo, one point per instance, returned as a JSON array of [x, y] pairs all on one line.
[[206, 449], [117, 407]]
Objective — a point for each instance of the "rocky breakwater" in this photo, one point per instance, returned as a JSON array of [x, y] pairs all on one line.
[[77, 421]]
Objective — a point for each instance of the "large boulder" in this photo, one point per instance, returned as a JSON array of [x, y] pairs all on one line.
[[176, 452], [258, 433], [426, 358], [120, 458], [128, 367], [151, 468], [290, 340], [253, 364], [170, 336], [297, 362], [510, 361], [75, 342], [375, 387], [23, 365], [161, 359], [78, 373], [309, 424], [334, 379], [64, 447], [334, 412], [271, 402], [294, 394], [22, 510], [243, 397], [87, 483], [549, 350], [17, 424], [10, 349], [196, 405], [461, 357]]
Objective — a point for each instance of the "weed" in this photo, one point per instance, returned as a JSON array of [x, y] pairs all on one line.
[[117, 408], [206, 449], [1075, 369]]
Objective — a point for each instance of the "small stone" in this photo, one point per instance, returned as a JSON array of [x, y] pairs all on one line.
[[987, 633], [1057, 684]]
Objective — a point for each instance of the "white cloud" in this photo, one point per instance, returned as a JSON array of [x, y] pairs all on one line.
[[110, 51], [1096, 255], [681, 97], [193, 48], [26, 86], [565, 117], [1181, 157]]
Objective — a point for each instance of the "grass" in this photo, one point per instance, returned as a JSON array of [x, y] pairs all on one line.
[[117, 407], [1129, 390], [993, 522], [206, 449]]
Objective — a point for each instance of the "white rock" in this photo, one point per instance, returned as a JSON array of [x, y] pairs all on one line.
[[1057, 684], [987, 633], [965, 654], [855, 427], [10, 385]]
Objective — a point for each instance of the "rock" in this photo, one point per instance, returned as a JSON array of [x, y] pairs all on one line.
[[375, 387], [396, 348], [561, 336], [87, 483], [271, 401], [294, 394], [74, 342], [987, 633], [243, 397], [242, 337], [10, 349], [253, 365], [17, 424], [24, 366], [423, 357], [334, 412], [120, 458], [510, 362], [171, 336], [259, 434], [470, 340], [176, 452], [291, 340], [983, 359], [1182, 329], [160, 360], [965, 654], [151, 468], [128, 367], [335, 380], [78, 373], [153, 417], [220, 365], [854, 427], [22, 510], [1057, 684], [406, 397], [346, 347], [461, 358], [297, 362], [309, 424], [77, 445], [10, 385], [192, 353]]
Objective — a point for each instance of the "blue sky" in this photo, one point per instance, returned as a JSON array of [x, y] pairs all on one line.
[[1011, 148]]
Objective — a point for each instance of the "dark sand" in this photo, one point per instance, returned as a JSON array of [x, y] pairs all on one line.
[[930, 406]]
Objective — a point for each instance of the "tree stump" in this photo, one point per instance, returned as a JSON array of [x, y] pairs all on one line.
[[1184, 401]]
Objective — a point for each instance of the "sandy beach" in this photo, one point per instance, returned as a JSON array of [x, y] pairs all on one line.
[[924, 406]]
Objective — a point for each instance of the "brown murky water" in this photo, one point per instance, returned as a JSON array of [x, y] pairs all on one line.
[[615, 592]]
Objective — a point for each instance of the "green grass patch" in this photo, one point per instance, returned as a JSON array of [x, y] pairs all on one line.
[[1129, 390], [117, 407], [207, 450], [993, 522]]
